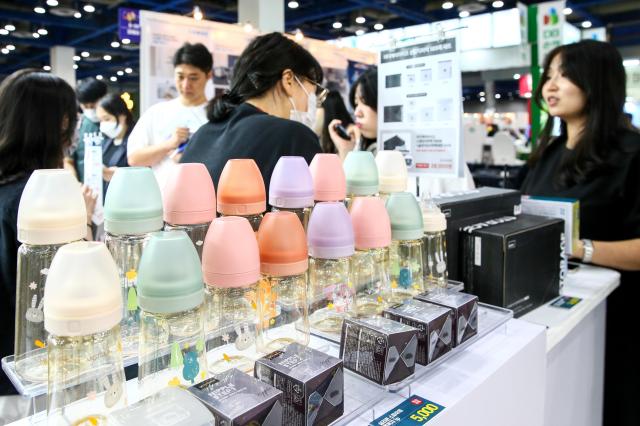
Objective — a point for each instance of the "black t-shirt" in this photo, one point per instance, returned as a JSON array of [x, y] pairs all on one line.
[[250, 133]]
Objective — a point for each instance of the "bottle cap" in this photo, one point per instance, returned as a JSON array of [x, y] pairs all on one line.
[[405, 215], [392, 171], [371, 225], [329, 182], [241, 189], [361, 172], [189, 195], [291, 184], [283, 245], [433, 219], [330, 232]]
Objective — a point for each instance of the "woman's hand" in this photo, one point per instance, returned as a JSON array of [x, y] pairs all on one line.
[[89, 201], [344, 146], [107, 172]]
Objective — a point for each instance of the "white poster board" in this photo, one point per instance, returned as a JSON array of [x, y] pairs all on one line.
[[420, 106], [93, 171], [551, 25]]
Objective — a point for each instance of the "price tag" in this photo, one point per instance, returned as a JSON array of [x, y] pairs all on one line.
[[566, 302], [415, 410]]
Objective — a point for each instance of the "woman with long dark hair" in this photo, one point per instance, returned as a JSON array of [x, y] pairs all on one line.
[[596, 159], [268, 111], [116, 123], [333, 108]]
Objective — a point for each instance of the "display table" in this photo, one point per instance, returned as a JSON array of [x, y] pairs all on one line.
[[575, 348]]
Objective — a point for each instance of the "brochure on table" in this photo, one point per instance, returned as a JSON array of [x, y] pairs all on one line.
[[420, 105]]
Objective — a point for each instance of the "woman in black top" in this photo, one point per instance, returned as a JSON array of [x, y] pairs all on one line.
[[596, 159], [268, 111]]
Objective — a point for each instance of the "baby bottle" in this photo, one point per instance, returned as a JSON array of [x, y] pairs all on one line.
[[291, 188], [362, 175], [435, 245], [241, 191], [392, 172], [329, 182]]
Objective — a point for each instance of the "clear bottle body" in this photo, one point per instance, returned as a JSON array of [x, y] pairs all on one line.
[[371, 278], [254, 219], [283, 315], [231, 344], [332, 293], [172, 350], [127, 251], [406, 270], [197, 233], [86, 378], [303, 214], [30, 335], [435, 260]]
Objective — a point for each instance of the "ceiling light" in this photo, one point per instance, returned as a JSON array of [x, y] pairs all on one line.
[[464, 14], [77, 15], [299, 36], [586, 24], [113, 78], [378, 26], [567, 11], [125, 41], [516, 76], [89, 8], [10, 27], [481, 94], [39, 9], [447, 5], [360, 32], [36, 35], [293, 4], [85, 54], [497, 4], [5, 51], [361, 20], [120, 73], [197, 13], [99, 77], [52, 3], [107, 57], [11, 47], [43, 31], [337, 25], [115, 44], [482, 99], [128, 70], [75, 66], [47, 68], [4, 31], [76, 58], [497, 96]]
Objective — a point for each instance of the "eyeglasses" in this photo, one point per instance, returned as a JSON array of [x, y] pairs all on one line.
[[321, 92]]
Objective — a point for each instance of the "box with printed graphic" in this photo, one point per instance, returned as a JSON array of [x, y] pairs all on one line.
[[567, 209], [235, 398], [434, 324], [379, 349], [312, 383], [465, 311]]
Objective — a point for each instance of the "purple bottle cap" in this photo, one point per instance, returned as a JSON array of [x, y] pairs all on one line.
[[330, 231], [291, 184]]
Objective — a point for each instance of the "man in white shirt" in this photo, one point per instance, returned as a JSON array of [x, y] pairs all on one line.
[[162, 131]]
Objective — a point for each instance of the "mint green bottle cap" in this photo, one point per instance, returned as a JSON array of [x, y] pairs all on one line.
[[406, 216], [170, 275], [133, 204], [361, 172]]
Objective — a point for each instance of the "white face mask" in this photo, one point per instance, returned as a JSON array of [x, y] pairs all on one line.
[[91, 114], [110, 128], [307, 118]]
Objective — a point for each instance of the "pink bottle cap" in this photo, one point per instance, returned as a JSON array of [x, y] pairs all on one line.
[[189, 195], [329, 182], [371, 224], [230, 256]]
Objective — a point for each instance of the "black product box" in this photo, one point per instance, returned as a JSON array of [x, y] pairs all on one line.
[[517, 263], [235, 398], [379, 349], [312, 383], [465, 311], [468, 207], [434, 324]]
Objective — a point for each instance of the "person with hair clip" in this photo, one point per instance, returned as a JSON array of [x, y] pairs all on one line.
[[37, 123], [269, 110], [116, 123], [596, 159]]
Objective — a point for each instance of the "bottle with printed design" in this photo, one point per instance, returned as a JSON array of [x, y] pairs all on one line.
[[329, 182], [291, 188], [435, 245], [84, 349], [283, 315], [189, 201], [132, 210], [51, 213], [392, 173], [331, 248], [362, 175], [405, 256], [372, 231], [171, 295], [231, 270], [241, 191]]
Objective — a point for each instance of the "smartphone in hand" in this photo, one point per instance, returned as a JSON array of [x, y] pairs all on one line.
[[342, 131]]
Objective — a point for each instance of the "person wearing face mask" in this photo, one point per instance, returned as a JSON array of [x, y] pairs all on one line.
[[88, 93], [116, 123], [268, 112]]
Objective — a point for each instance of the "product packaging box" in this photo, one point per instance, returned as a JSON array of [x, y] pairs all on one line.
[[379, 349], [468, 207], [516, 263], [235, 398], [567, 209], [312, 383], [434, 324], [465, 311], [172, 406]]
